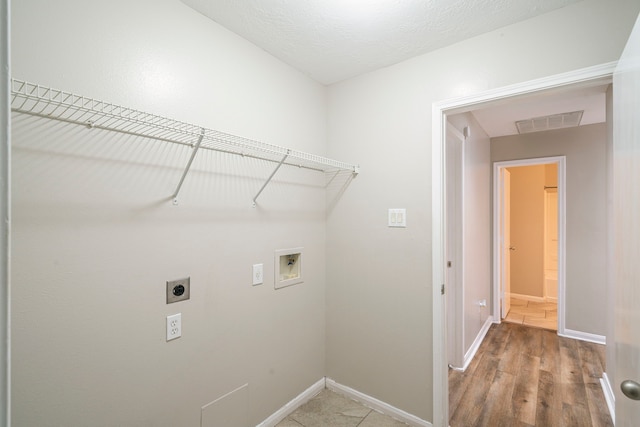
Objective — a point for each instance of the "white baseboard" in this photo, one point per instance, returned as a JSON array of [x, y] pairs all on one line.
[[377, 405], [609, 396], [584, 336], [468, 357], [294, 404]]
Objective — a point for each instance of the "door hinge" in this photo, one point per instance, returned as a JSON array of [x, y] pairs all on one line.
[[442, 290]]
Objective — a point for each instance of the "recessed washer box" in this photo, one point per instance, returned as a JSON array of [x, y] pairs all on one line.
[[288, 267]]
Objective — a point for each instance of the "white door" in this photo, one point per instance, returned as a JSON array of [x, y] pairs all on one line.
[[505, 244], [454, 225], [626, 199]]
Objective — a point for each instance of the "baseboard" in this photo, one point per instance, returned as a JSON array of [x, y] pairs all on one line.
[[468, 357], [584, 336], [609, 396], [528, 297], [377, 405], [294, 404]]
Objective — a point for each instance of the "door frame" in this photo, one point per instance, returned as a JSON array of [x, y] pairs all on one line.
[[561, 162], [583, 77]]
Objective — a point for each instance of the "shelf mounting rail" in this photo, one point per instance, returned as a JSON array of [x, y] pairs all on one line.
[[42, 101]]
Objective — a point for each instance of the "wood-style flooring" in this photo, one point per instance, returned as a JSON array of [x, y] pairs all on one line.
[[525, 376]]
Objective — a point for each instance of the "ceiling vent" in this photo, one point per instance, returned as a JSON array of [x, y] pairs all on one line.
[[555, 121]]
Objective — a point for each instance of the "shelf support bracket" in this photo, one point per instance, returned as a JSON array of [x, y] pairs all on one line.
[[186, 170], [270, 177]]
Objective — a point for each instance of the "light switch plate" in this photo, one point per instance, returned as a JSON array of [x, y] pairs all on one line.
[[397, 217], [258, 274]]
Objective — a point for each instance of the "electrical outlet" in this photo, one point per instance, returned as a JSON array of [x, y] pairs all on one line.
[[178, 290], [258, 274], [174, 326]]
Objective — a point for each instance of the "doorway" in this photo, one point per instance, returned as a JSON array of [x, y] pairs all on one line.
[[529, 242], [597, 75]]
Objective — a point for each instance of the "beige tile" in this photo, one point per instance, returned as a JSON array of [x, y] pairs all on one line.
[[376, 419], [514, 317], [330, 409], [532, 312], [288, 422], [518, 302]]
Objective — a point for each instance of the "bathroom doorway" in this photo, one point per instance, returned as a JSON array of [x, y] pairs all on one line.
[[529, 242]]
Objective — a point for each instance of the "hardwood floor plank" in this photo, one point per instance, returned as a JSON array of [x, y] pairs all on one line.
[[498, 406], [549, 400], [598, 406], [550, 357], [575, 415], [525, 393], [591, 363], [570, 369], [512, 350]]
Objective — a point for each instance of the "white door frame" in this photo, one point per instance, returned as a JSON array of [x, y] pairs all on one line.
[[561, 162], [586, 77]]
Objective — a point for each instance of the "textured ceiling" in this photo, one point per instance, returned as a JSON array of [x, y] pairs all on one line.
[[332, 40], [499, 120]]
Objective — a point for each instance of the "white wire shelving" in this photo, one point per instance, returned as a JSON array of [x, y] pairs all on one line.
[[42, 101]]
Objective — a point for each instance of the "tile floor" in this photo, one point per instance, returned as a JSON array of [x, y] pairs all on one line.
[[536, 314], [330, 409]]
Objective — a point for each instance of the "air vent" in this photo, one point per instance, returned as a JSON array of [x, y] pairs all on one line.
[[555, 121]]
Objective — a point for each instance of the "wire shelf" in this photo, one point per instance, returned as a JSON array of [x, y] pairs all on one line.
[[42, 101]]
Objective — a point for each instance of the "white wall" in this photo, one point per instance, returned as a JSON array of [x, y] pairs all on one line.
[[477, 226], [379, 317], [95, 236], [586, 227]]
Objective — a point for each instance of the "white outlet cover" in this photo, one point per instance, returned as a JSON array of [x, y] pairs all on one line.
[[258, 274], [174, 326]]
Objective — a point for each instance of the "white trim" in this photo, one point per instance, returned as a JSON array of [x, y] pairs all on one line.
[[468, 357], [583, 76], [377, 405], [609, 396], [294, 404], [584, 336]]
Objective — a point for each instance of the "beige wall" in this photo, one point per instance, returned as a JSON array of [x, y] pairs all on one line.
[[379, 317], [527, 230], [95, 235], [477, 227], [586, 227]]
